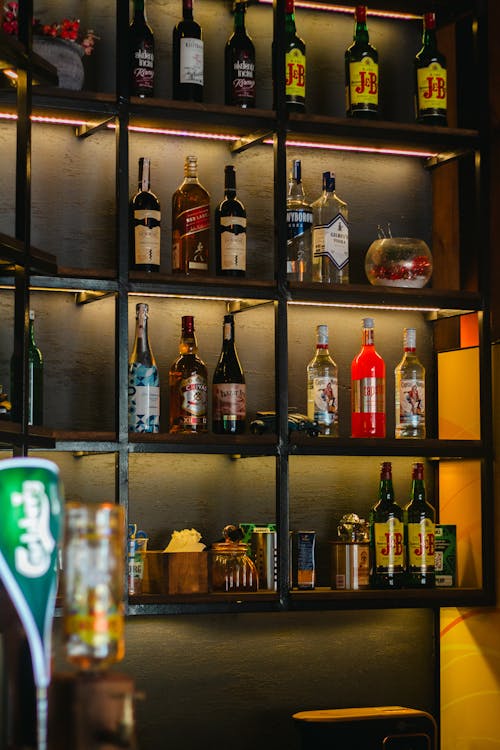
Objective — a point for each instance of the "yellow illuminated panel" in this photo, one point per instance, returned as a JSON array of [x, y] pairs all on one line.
[[458, 395]]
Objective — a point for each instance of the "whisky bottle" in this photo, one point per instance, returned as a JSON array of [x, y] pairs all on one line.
[[420, 532], [188, 384], [228, 386], [387, 535], [295, 63], [145, 220], [330, 236], [322, 386], [230, 230], [430, 78], [361, 71], [299, 221], [187, 57], [35, 379], [143, 379], [409, 377], [239, 62], [190, 223], [368, 388], [141, 54]]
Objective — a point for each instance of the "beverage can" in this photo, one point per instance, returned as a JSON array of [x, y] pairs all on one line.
[[264, 555]]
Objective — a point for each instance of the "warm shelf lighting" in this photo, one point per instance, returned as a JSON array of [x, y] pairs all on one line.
[[229, 138], [368, 306], [346, 9]]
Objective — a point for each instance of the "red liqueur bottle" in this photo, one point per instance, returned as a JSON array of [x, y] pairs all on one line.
[[368, 388]]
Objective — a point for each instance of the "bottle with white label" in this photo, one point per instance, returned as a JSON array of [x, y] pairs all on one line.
[[330, 236], [230, 230], [410, 390], [143, 379], [187, 57], [145, 220], [299, 224], [322, 386]]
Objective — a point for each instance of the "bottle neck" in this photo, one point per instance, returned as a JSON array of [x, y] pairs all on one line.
[[144, 175], [187, 344], [31, 333], [368, 337], [418, 491], [295, 186], [229, 183], [429, 40], [141, 343], [187, 10], [386, 491], [228, 334], [290, 17], [139, 9], [239, 17], [360, 26], [191, 170]]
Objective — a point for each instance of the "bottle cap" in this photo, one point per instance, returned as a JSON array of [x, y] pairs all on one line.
[[296, 170], [386, 470], [367, 322], [329, 181], [141, 307], [322, 334], [32, 315], [410, 338], [229, 178], [360, 13], [190, 166], [187, 325], [418, 471], [429, 21]]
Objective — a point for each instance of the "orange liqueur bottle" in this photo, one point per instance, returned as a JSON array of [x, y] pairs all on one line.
[[188, 384], [368, 388]]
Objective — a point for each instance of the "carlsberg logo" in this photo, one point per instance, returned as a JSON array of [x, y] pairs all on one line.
[[32, 556]]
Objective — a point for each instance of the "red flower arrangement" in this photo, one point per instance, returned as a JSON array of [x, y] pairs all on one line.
[[68, 29]]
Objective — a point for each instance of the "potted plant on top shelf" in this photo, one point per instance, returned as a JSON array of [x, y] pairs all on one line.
[[63, 44]]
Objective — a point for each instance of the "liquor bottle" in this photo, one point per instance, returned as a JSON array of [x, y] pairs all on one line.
[[228, 386], [187, 57], [145, 219], [188, 384], [295, 63], [430, 78], [368, 388], [299, 221], [409, 378], [190, 223], [230, 230], [330, 236], [239, 62], [143, 379], [322, 386], [387, 535], [142, 53], [35, 379], [420, 530], [361, 71]]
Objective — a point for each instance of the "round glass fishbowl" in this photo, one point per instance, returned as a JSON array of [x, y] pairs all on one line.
[[398, 261]]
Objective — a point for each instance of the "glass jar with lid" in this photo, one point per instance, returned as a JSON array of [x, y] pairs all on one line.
[[231, 569]]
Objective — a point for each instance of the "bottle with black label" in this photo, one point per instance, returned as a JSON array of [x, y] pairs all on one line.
[[239, 62], [230, 230], [145, 218]]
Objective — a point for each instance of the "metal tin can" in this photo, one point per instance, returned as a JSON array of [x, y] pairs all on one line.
[[264, 555], [350, 565]]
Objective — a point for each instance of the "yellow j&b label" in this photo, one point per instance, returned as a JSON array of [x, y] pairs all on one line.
[[363, 77], [421, 548], [295, 73], [389, 543], [431, 85]]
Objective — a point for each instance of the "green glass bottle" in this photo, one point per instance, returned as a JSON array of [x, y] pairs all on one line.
[[35, 379], [430, 78], [420, 534], [386, 536], [361, 71], [295, 63]]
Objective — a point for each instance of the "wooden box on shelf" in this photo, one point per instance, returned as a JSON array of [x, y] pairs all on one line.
[[175, 573]]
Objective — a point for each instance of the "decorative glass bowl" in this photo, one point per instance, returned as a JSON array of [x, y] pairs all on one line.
[[398, 261]]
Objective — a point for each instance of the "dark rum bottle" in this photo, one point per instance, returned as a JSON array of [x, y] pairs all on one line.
[[430, 78], [230, 230], [141, 54], [145, 219], [361, 71], [239, 62], [420, 534], [386, 536], [187, 57], [228, 386], [188, 384]]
